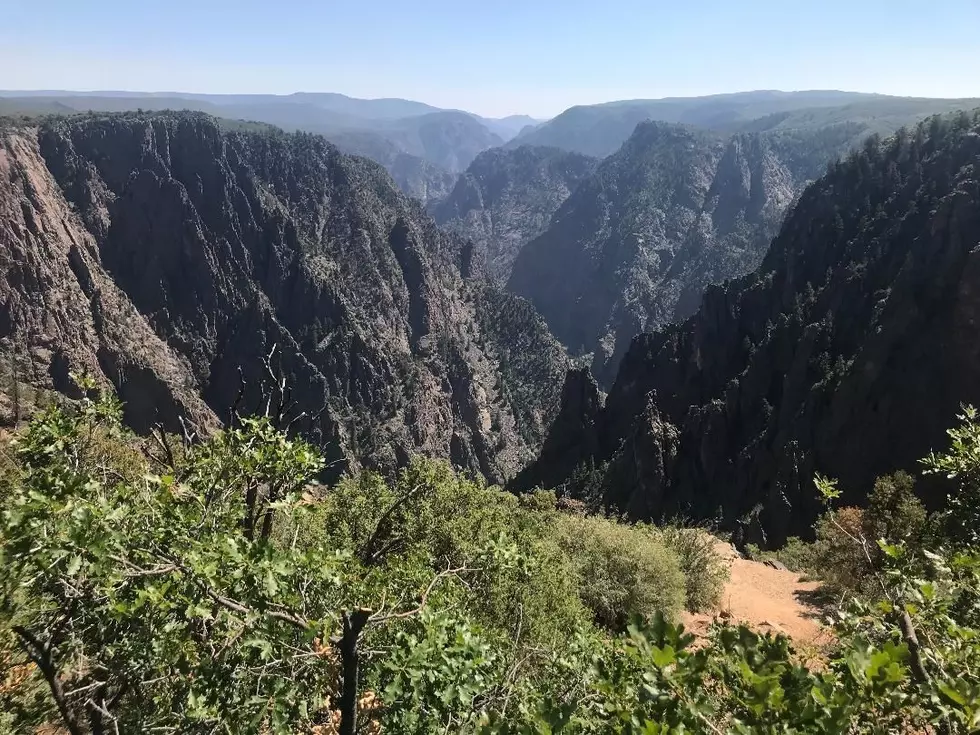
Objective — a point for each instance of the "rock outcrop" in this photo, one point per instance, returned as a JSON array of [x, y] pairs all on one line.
[[415, 176], [170, 258], [848, 352], [506, 198], [674, 210]]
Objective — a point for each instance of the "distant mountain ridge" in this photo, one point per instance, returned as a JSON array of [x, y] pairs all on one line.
[[450, 142], [386, 108], [599, 130], [328, 110], [439, 142]]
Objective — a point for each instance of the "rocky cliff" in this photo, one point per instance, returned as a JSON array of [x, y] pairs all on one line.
[[168, 257], [674, 210], [506, 198], [848, 352]]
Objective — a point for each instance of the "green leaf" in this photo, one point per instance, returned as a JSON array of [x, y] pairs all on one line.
[[263, 646], [663, 657], [952, 694], [271, 583]]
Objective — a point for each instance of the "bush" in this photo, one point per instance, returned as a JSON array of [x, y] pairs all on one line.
[[705, 573], [838, 556], [117, 582], [962, 464], [447, 520], [435, 672], [894, 512], [171, 602], [622, 571], [845, 552], [796, 555]]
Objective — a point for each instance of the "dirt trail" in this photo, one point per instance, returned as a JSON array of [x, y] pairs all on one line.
[[765, 598]]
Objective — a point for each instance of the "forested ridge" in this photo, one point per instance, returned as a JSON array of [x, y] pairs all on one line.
[[675, 210]]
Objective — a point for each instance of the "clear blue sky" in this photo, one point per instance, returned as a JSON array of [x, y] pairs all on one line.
[[493, 57]]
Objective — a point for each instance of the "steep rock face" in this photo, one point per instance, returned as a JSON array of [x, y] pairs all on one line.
[[169, 258], [673, 211], [847, 352], [60, 312], [420, 179], [507, 197], [450, 140], [573, 438]]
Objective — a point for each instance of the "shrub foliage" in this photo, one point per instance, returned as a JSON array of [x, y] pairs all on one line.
[[211, 586]]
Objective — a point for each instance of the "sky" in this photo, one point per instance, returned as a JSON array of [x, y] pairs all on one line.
[[493, 57]]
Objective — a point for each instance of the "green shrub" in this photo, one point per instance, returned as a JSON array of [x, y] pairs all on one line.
[[621, 570], [169, 597], [796, 555], [839, 556], [118, 582], [845, 552], [961, 519], [894, 512], [434, 673], [840, 552], [445, 520], [705, 573]]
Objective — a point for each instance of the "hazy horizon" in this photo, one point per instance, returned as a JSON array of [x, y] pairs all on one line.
[[511, 58], [138, 93]]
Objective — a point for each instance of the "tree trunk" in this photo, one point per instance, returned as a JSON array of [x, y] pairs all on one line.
[[354, 623]]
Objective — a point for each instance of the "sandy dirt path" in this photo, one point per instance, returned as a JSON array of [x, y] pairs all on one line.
[[765, 598]]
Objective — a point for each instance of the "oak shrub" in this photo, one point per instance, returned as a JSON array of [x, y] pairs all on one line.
[[215, 587]]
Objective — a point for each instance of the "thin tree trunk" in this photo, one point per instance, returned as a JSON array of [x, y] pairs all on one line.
[[354, 623], [40, 654]]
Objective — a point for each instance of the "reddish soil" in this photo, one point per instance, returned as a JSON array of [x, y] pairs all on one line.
[[765, 599]]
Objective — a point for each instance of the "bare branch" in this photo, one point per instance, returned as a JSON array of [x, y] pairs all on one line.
[[368, 554], [912, 641], [276, 612], [40, 653], [233, 412], [377, 618], [188, 430], [905, 624], [133, 570], [160, 437]]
